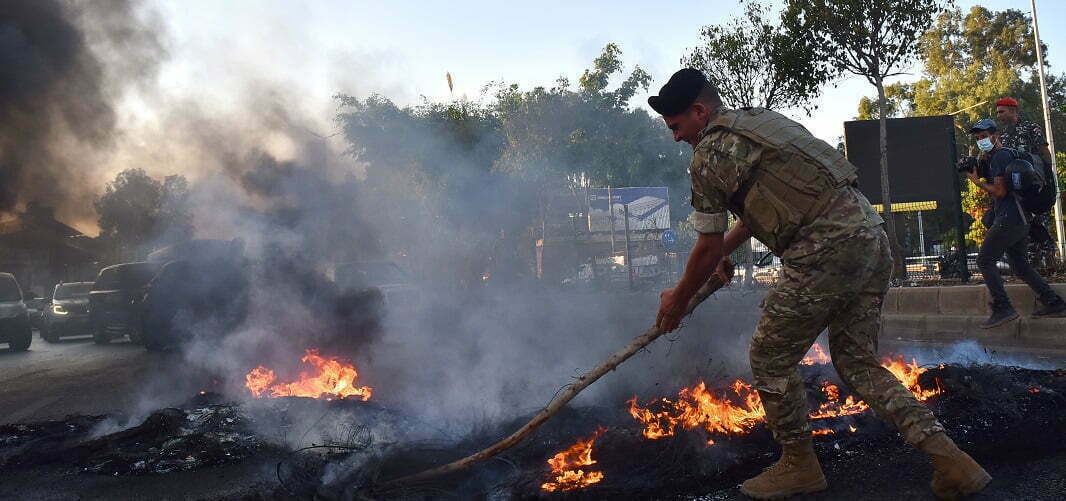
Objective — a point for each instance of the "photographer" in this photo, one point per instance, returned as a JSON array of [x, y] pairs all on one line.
[[1008, 231]]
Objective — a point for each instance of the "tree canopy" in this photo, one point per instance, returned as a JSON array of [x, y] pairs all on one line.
[[137, 212], [754, 62], [968, 62]]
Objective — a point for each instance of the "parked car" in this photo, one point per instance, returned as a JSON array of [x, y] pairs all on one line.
[[68, 313], [201, 290], [116, 298], [15, 327]]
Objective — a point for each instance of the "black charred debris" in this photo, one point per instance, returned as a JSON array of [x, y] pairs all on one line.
[[992, 411]]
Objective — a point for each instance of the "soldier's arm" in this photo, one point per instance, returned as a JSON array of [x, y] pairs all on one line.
[[709, 220], [737, 235], [703, 260]]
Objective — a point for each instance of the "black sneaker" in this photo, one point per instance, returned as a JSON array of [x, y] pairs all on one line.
[[1057, 309], [1000, 317]]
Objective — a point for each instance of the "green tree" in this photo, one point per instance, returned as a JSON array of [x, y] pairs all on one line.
[[875, 40], [969, 61], [483, 172], [754, 62], [585, 133], [138, 213]]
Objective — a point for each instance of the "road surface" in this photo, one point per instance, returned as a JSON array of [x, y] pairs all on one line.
[[76, 376]]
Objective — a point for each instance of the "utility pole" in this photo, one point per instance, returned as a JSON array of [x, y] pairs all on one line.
[[1047, 129], [610, 210], [629, 252]]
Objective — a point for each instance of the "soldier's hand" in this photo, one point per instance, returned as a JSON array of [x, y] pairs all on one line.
[[670, 311]]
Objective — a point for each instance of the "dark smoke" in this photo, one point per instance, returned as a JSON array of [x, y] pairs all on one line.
[[63, 66]]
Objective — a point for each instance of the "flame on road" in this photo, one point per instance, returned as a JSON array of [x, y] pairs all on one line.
[[815, 356], [737, 413], [332, 377], [833, 407], [908, 373], [697, 407], [569, 467]]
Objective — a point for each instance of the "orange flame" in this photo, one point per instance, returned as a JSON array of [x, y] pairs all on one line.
[[698, 408], [815, 356], [833, 407], [908, 375], [567, 466], [332, 378], [822, 431], [1034, 390]]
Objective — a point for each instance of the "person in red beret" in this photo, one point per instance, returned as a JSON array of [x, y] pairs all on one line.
[[1021, 134], [1018, 133]]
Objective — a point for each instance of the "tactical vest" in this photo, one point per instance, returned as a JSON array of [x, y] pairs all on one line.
[[795, 179]]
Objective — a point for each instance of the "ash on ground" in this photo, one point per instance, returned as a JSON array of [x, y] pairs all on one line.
[[1007, 417]]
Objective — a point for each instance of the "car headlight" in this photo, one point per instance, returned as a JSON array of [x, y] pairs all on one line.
[[58, 309]]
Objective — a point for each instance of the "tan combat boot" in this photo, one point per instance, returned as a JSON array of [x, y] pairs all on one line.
[[955, 473], [796, 472]]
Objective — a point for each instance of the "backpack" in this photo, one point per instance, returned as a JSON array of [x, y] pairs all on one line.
[[1033, 186]]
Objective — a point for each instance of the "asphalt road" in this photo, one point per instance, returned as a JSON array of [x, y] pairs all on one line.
[[76, 376]]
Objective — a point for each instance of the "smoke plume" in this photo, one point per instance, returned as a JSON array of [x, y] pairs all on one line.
[[63, 68]]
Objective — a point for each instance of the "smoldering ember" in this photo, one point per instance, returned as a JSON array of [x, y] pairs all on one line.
[[279, 251]]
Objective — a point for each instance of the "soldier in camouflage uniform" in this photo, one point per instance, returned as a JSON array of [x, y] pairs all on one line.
[[1021, 134], [797, 195]]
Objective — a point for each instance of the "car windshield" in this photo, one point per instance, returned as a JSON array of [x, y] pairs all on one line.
[[70, 291], [126, 276], [370, 275], [9, 289]]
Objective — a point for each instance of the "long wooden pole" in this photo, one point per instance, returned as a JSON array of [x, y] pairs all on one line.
[[638, 343]]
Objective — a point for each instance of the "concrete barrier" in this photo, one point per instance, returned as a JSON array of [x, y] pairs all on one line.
[[962, 300], [919, 301], [891, 305], [955, 313]]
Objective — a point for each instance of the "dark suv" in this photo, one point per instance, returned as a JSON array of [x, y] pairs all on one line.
[[116, 298], [68, 314], [201, 290], [15, 327]]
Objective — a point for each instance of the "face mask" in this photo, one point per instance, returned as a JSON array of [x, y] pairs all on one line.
[[985, 144]]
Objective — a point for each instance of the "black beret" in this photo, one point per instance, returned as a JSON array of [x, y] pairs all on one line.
[[679, 92]]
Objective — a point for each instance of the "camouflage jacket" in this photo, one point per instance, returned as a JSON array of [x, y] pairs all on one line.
[[1025, 136], [721, 165]]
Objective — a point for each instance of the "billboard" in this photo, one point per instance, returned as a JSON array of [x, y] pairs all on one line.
[[649, 208], [921, 158]]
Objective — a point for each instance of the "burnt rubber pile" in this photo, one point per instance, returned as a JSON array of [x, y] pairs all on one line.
[[1006, 413], [696, 444], [200, 434]]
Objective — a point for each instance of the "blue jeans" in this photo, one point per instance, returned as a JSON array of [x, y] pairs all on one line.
[[1010, 239]]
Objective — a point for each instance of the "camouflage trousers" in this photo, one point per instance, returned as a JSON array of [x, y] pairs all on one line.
[[841, 287]]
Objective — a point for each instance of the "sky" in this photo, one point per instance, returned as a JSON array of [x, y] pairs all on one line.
[[317, 49]]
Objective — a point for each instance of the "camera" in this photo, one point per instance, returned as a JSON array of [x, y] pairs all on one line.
[[967, 164]]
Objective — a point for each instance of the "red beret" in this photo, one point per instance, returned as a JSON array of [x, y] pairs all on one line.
[[1007, 101]]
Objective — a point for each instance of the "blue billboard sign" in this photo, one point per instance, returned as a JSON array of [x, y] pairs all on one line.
[[649, 208]]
